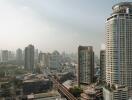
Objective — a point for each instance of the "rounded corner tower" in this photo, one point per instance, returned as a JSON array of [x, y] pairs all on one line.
[[122, 7], [119, 45]]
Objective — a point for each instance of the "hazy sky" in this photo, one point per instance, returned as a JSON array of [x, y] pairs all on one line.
[[53, 24]]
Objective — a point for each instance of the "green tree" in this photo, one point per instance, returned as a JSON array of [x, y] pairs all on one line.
[[76, 91]]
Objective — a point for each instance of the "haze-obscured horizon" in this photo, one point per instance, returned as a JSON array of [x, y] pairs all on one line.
[[50, 25]]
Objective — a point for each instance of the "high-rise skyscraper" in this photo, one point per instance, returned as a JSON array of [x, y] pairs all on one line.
[[102, 65], [119, 45], [19, 56], [29, 58], [85, 65]]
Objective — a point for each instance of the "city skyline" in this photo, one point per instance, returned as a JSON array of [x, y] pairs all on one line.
[[66, 50], [53, 25]]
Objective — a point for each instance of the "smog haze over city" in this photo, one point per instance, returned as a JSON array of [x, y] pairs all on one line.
[[65, 50], [53, 24]]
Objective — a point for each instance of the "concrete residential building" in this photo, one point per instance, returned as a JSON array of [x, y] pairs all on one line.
[[4, 56], [11, 56], [36, 55], [119, 46], [29, 58], [41, 59], [19, 56], [119, 93], [55, 60], [85, 65], [102, 65], [44, 59]]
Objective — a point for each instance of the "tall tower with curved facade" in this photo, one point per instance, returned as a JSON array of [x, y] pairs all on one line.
[[119, 45]]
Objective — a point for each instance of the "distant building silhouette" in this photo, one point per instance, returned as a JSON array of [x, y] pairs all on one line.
[[19, 56], [55, 60], [4, 56], [44, 59], [29, 58], [11, 56], [103, 65], [36, 55]]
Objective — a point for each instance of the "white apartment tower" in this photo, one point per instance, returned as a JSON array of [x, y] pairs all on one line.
[[119, 45]]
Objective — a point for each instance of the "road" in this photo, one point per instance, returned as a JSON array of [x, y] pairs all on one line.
[[63, 89]]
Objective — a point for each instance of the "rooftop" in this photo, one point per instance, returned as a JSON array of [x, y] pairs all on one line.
[[128, 4], [122, 7]]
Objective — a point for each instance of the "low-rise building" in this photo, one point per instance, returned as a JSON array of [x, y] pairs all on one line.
[[92, 92], [115, 93], [37, 86]]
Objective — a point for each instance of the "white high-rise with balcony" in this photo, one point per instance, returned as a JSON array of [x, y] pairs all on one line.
[[119, 45]]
